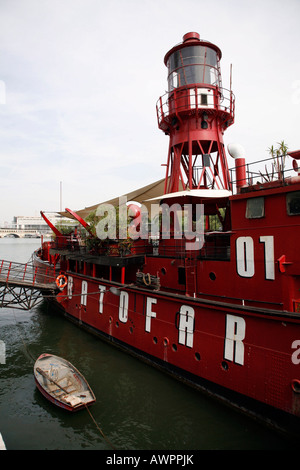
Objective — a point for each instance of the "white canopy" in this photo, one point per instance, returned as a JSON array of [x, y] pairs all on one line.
[[199, 193], [153, 192], [140, 195]]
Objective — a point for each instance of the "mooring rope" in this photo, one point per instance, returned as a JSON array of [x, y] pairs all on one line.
[[99, 429], [24, 344]]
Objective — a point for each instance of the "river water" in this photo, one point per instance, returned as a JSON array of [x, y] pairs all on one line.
[[137, 408]]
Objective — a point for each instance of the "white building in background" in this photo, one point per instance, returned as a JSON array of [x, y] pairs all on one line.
[[23, 222], [32, 227]]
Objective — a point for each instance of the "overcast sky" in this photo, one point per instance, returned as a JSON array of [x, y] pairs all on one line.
[[79, 81]]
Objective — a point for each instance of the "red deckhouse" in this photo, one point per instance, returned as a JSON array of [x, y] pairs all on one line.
[[223, 316]]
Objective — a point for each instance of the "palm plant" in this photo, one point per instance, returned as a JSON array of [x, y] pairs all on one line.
[[279, 156]]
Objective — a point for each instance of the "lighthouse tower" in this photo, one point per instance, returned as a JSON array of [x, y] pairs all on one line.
[[195, 112]]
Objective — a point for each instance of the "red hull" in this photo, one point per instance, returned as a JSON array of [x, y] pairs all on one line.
[[192, 339]]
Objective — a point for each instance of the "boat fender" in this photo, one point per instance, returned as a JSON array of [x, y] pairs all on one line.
[[61, 281]]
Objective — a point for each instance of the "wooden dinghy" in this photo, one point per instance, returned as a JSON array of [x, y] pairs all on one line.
[[61, 383]]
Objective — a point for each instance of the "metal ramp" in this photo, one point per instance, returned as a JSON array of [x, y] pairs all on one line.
[[22, 286]]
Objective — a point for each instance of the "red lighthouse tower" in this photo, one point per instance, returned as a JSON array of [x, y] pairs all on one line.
[[194, 113]]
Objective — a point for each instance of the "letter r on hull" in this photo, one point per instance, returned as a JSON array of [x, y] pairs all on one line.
[[235, 333]]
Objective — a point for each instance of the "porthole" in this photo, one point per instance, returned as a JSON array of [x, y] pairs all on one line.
[[224, 365], [174, 347], [154, 340], [197, 356], [296, 386]]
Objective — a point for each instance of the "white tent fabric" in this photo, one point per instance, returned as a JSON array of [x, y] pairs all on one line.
[[140, 195]]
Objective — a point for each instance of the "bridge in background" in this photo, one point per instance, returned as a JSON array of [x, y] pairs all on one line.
[[19, 233]]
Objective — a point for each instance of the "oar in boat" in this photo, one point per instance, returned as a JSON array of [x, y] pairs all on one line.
[[44, 374]]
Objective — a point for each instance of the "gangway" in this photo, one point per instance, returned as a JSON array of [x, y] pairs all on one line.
[[22, 286]]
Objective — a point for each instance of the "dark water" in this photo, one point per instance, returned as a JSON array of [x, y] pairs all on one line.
[[137, 406]]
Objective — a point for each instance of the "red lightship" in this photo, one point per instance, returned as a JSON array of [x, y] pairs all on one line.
[[219, 307]]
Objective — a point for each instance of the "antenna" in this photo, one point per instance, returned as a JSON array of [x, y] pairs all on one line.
[[60, 196]]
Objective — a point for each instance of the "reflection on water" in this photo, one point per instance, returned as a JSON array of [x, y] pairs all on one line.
[[137, 406]]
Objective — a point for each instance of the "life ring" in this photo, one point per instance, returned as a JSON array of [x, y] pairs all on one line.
[[61, 281], [147, 283]]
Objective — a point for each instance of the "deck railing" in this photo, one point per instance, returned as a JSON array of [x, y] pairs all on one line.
[[264, 171], [19, 273]]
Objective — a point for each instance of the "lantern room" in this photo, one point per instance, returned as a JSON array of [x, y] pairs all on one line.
[[193, 62]]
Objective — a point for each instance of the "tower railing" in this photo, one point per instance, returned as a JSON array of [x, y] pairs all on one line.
[[194, 98]]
